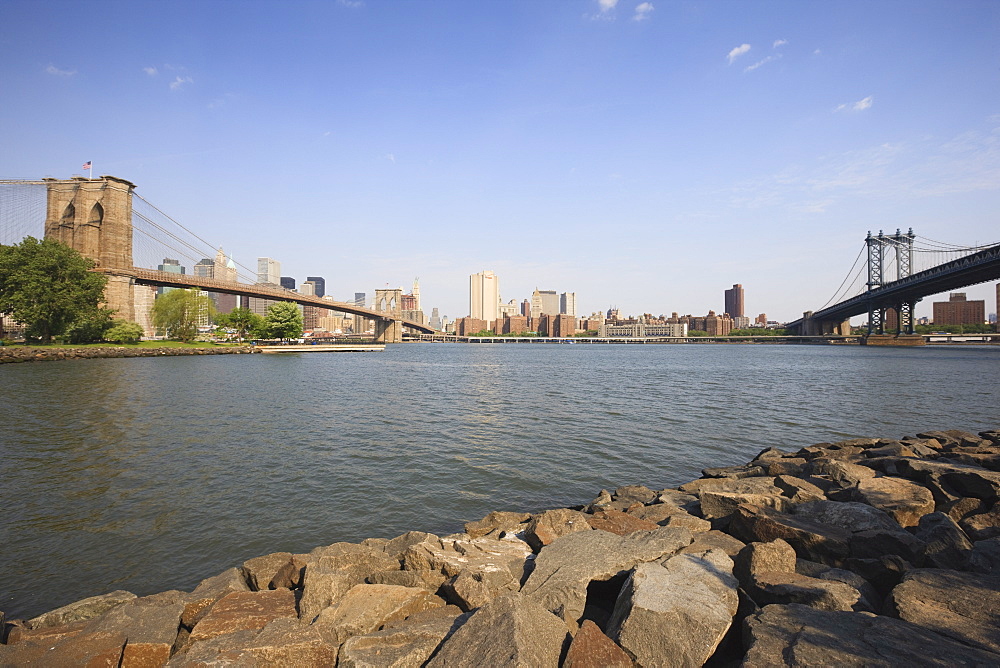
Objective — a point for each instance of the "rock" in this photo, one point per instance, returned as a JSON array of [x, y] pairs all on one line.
[[397, 546], [73, 649], [592, 649], [80, 610], [244, 610], [619, 523], [776, 556], [720, 504], [399, 578], [261, 570], [797, 635], [693, 596], [745, 471], [961, 606], [763, 486], [945, 544], [948, 480], [564, 569], [354, 561], [961, 508], [707, 540], [505, 521], [450, 556], [981, 526], [321, 589], [870, 600], [790, 587], [880, 542], [798, 489], [687, 502], [847, 515], [790, 466], [811, 539], [985, 556], [656, 512], [148, 624], [366, 608], [472, 589], [635, 494], [603, 500], [290, 575], [282, 642], [546, 527], [883, 573], [511, 630], [405, 644], [895, 449], [904, 501], [687, 521], [209, 591]]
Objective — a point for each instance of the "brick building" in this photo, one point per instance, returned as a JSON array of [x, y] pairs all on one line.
[[959, 311]]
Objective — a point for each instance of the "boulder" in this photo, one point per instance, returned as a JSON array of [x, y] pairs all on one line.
[[961, 606], [209, 591], [812, 540], [259, 571], [505, 521], [785, 587], [618, 522], [686, 502], [980, 526], [883, 573], [511, 630], [717, 504], [551, 524], [400, 578], [905, 501], [592, 649], [790, 466], [776, 556], [635, 494], [282, 642], [945, 544], [880, 542], [473, 588], [677, 612], [452, 555], [366, 608], [405, 644], [397, 546], [244, 610], [797, 635], [149, 625], [354, 561], [87, 608], [799, 490], [322, 587], [847, 515], [707, 540], [985, 556], [948, 480], [565, 569], [744, 471]]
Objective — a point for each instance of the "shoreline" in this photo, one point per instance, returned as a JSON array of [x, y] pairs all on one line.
[[836, 553], [17, 354]]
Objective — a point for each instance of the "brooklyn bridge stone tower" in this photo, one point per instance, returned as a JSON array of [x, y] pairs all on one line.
[[94, 216]]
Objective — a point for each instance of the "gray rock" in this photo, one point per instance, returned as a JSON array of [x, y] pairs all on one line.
[[635, 494], [799, 490], [406, 644], [79, 610], [564, 569], [879, 542], [945, 544], [503, 520], [784, 588], [259, 571], [686, 502], [745, 471], [592, 649], [883, 573], [282, 642], [812, 540], [508, 631], [367, 608], [905, 501], [718, 504], [776, 556], [843, 474], [950, 480], [451, 556], [708, 540], [551, 524], [985, 556], [800, 636], [846, 515], [676, 614], [980, 526], [474, 588], [961, 606]]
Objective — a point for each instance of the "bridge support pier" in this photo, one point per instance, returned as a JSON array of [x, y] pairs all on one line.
[[388, 331]]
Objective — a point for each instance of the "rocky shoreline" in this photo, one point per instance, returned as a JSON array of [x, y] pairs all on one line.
[[866, 552], [14, 354]]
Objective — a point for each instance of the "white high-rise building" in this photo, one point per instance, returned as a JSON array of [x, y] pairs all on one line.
[[268, 271], [484, 296], [567, 303]]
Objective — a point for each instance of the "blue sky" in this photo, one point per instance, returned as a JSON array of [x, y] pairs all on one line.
[[642, 154]]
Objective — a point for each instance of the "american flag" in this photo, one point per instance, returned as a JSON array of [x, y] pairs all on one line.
[[87, 164]]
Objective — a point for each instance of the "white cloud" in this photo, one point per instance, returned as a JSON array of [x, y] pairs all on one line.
[[737, 52], [860, 105], [353, 4], [751, 68], [180, 81], [55, 71], [607, 5], [643, 11], [779, 42], [391, 158], [151, 71]]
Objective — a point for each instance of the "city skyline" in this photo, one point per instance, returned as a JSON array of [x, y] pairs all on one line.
[[579, 143]]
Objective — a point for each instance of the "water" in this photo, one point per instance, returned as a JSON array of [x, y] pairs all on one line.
[[154, 473]]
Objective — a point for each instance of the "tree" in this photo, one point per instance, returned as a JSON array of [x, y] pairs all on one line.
[[180, 312], [123, 331], [47, 286], [89, 327], [243, 321], [284, 321]]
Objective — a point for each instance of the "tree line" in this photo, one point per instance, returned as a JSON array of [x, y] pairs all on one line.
[[51, 289]]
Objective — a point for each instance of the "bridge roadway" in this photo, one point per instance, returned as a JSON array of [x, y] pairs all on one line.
[[171, 280], [978, 267]]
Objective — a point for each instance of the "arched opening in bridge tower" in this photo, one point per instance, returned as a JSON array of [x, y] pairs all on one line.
[[90, 244], [66, 223]]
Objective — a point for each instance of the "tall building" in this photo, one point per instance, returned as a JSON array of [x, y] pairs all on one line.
[[435, 322], [526, 308], [416, 294], [224, 270], [734, 301], [205, 268], [268, 271], [320, 284], [959, 311], [360, 299], [567, 303], [484, 296], [545, 302], [287, 282], [174, 267]]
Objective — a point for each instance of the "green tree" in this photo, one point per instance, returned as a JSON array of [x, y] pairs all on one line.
[[47, 286], [89, 327], [284, 321], [180, 312], [243, 321], [124, 331]]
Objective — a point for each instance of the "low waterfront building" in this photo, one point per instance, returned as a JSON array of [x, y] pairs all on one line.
[[641, 329]]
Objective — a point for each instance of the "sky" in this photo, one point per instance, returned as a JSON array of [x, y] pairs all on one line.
[[645, 155]]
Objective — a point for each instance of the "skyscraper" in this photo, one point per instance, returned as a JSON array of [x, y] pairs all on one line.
[[359, 299], [567, 303], [734, 301], [320, 284], [268, 271], [288, 282], [484, 296]]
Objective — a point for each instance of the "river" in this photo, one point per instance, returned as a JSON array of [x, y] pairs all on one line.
[[153, 473]]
